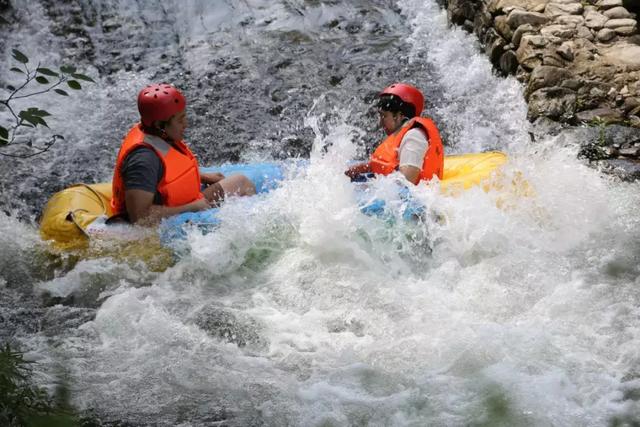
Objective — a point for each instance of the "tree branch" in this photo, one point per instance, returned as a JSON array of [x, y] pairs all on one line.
[[26, 156], [62, 80]]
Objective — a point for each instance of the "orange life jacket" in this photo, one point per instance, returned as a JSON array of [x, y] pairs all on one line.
[[385, 158], [180, 183]]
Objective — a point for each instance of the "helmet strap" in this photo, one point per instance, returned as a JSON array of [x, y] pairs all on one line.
[[156, 130]]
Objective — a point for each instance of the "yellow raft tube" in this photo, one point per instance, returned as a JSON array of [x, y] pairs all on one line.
[[70, 212]]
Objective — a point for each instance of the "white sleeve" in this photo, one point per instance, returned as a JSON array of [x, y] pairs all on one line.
[[413, 148]]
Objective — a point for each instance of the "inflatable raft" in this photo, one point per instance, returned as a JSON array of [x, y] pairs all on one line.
[[78, 213]]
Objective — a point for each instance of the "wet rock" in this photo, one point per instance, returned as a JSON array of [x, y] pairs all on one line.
[[573, 84], [520, 31], [550, 47], [546, 76], [627, 170], [556, 103], [566, 51], [520, 17], [560, 31], [605, 35], [618, 13], [625, 31], [503, 27], [595, 152], [606, 4], [276, 110], [481, 23], [635, 39], [622, 136], [630, 104], [539, 8], [502, 6], [584, 33], [230, 326], [335, 80], [460, 11], [558, 9], [571, 20], [509, 62], [595, 20], [552, 59], [494, 45], [529, 52], [619, 23], [544, 126], [596, 94], [623, 54], [633, 152], [606, 115]]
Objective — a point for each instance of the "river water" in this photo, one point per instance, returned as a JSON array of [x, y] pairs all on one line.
[[494, 309]]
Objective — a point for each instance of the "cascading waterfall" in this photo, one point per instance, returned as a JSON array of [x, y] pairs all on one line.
[[493, 309]]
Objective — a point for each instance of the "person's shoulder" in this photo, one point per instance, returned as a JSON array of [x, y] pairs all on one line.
[[142, 154], [142, 158], [416, 133], [143, 150]]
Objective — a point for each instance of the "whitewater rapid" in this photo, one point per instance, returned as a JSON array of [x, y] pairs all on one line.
[[495, 308]]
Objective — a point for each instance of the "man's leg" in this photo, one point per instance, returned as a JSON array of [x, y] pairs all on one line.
[[235, 185]]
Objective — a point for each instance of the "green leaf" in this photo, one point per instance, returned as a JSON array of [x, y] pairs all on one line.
[[19, 56], [17, 70], [73, 84], [3, 141], [4, 21], [41, 121], [68, 69], [40, 113], [28, 117], [82, 77], [47, 72], [4, 132], [61, 92], [42, 80], [27, 125], [33, 116]]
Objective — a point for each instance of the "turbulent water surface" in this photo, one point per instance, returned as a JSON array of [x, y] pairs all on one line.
[[493, 309]]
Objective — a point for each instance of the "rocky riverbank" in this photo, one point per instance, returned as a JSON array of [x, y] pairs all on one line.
[[579, 62]]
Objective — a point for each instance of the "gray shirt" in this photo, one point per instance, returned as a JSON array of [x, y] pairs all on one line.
[[143, 170]]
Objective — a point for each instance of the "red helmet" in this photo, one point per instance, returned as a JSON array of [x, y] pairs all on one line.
[[406, 93], [159, 102]]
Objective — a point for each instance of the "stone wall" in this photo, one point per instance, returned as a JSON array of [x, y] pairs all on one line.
[[579, 62]]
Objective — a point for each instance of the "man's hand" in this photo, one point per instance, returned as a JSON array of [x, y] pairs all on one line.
[[198, 205], [412, 173], [143, 212], [211, 178], [358, 169]]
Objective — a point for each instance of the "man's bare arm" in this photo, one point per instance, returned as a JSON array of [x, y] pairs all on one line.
[[412, 173], [142, 211]]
